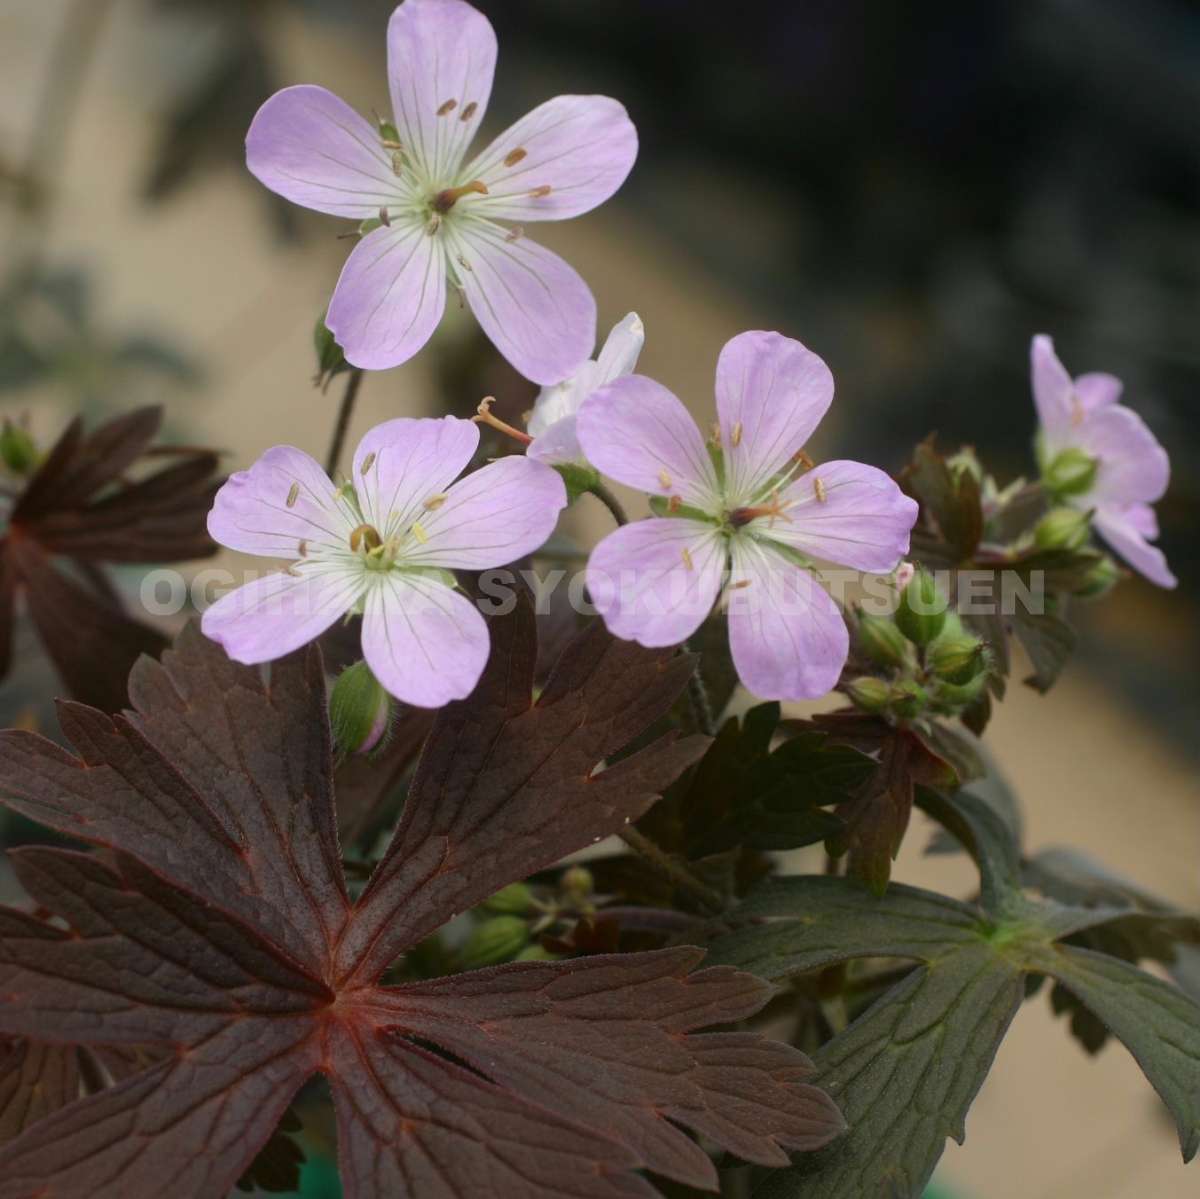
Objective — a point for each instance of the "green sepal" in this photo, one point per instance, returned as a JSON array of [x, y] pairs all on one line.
[[579, 477]]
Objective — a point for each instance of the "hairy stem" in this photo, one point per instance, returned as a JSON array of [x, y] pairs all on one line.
[[673, 870], [345, 413], [611, 502]]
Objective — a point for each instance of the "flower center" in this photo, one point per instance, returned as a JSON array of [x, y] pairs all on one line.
[[449, 196], [774, 509]]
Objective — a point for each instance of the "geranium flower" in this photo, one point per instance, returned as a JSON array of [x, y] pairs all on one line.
[[552, 425], [436, 212], [743, 501], [1098, 456], [381, 544]]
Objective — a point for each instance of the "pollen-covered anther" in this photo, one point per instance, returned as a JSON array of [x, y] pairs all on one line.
[[674, 503], [686, 555], [399, 162], [664, 479], [446, 108], [514, 156], [714, 433], [418, 532], [819, 490], [368, 462], [539, 192], [385, 217], [735, 434], [483, 416], [434, 502], [435, 223], [365, 537], [466, 266], [293, 495], [448, 197], [740, 585], [468, 112], [302, 548], [801, 458]]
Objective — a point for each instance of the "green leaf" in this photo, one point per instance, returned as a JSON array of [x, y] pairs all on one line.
[[1049, 642]]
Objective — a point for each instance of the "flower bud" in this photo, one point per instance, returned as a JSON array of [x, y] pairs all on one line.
[[1099, 580], [869, 693], [956, 696], [881, 641], [921, 613], [17, 449], [495, 940], [513, 900], [330, 359], [908, 698], [577, 882], [1070, 472], [360, 710], [965, 462], [956, 657], [536, 953], [1062, 529]]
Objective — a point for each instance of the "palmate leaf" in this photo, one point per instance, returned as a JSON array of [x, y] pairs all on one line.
[[217, 926], [906, 1071]]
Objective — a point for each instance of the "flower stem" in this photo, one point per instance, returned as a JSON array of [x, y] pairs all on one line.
[[673, 870], [610, 501], [345, 412]]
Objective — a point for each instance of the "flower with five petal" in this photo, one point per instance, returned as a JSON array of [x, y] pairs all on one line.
[[742, 500], [1097, 455], [552, 424], [382, 544], [431, 213]]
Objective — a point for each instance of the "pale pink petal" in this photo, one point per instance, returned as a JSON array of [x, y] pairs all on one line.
[[494, 516], [1053, 391], [771, 394], [637, 432], [562, 159], [788, 637], [1133, 466], [1098, 390], [847, 513], [441, 59], [560, 400], [425, 643], [1124, 530], [656, 580], [274, 615], [283, 501], [1144, 519], [402, 464], [558, 444], [534, 306], [313, 149], [390, 297], [622, 348]]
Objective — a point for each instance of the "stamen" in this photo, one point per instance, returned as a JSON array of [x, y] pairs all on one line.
[[419, 533], [714, 433], [514, 234], [302, 548], [291, 570], [740, 585], [674, 503], [435, 501], [819, 489], [466, 266], [514, 156], [449, 106], [539, 192], [803, 459], [385, 217], [664, 479], [365, 537], [483, 416], [435, 223], [293, 495], [469, 111], [686, 555], [368, 462], [390, 143], [446, 199], [735, 434], [399, 162]]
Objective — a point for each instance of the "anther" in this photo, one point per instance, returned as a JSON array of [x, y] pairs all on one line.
[[419, 533], [686, 555], [390, 143], [483, 416], [819, 488], [293, 495], [714, 433], [302, 548], [539, 192], [385, 217], [399, 162], [365, 537], [435, 223], [466, 266], [740, 585], [674, 503], [803, 459], [449, 106], [514, 156], [469, 111], [514, 234], [664, 479], [446, 199], [368, 462], [434, 502], [735, 434], [291, 570]]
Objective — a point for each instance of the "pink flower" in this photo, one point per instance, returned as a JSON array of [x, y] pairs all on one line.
[[555, 412], [439, 210], [743, 501], [381, 544], [1099, 456]]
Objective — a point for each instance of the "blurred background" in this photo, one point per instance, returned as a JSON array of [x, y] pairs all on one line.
[[911, 190]]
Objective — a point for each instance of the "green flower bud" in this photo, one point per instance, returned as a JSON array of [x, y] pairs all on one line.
[[881, 641], [965, 463], [1070, 472], [1099, 580], [577, 882], [1062, 529], [360, 710], [908, 698], [17, 449], [330, 359], [869, 693], [956, 696], [536, 953], [921, 613], [956, 657], [495, 940], [515, 899]]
